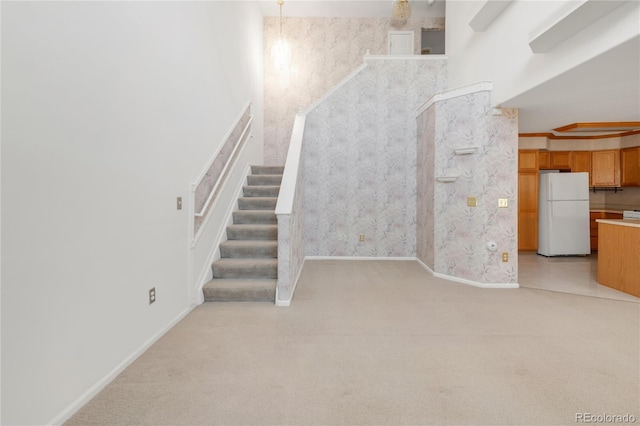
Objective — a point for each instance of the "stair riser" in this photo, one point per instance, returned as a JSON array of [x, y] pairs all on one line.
[[257, 295], [255, 203], [261, 191], [249, 252], [249, 271], [247, 217], [269, 180], [252, 234], [243, 290], [267, 170]]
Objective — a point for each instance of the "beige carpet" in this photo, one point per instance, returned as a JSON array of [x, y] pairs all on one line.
[[380, 342]]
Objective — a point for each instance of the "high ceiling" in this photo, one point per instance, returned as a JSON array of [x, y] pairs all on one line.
[[350, 8], [606, 88]]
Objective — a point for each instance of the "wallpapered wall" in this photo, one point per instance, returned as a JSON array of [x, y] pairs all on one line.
[[453, 239], [291, 243], [425, 190], [360, 160], [325, 50]]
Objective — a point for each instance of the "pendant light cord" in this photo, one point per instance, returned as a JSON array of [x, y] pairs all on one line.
[[280, 2]]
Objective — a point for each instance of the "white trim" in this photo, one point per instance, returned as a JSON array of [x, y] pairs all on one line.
[[357, 258], [206, 218], [289, 181], [468, 282], [214, 253], [424, 265], [476, 283], [241, 142], [334, 88], [102, 383], [483, 86], [287, 302], [215, 154]]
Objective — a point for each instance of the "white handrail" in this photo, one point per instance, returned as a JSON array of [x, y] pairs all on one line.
[[223, 171], [290, 174]]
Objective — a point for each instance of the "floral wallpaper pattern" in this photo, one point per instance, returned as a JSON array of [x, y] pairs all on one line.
[[456, 235], [214, 174], [324, 51], [291, 242], [359, 158]]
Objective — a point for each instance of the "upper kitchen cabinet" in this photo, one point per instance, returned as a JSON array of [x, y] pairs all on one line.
[[605, 168], [581, 161], [630, 165], [528, 160], [544, 160], [560, 160]]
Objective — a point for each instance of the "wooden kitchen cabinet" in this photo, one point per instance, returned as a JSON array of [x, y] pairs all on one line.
[[528, 210], [619, 257], [593, 228], [593, 225], [544, 160], [528, 160], [581, 161], [560, 160], [605, 168], [630, 166]]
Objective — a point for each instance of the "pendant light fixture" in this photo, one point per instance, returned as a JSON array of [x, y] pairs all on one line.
[[281, 52], [401, 9]]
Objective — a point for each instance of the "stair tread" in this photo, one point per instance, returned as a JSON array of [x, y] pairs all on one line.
[[253, 225], [256, 211], [238, 261], [267, 243]]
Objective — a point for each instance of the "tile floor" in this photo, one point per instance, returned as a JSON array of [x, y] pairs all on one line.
[[574, 275]]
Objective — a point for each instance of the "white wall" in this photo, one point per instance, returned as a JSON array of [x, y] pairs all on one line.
[[109, 111], [508, 60]]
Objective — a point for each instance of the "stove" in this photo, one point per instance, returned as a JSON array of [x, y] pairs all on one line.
[[631, 214]]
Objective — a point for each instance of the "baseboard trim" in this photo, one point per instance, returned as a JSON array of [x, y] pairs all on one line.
[[424, 265], [357, 258], [287, 303], [465, 281], [476, 283], [101, 384]]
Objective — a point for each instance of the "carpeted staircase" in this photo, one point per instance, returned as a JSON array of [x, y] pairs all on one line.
[[248, 267]]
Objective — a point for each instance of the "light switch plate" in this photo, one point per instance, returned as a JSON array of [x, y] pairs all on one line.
[[179, 203], [472, 202], [503, 202]]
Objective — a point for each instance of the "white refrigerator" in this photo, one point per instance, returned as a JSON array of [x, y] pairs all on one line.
[[563, 220]]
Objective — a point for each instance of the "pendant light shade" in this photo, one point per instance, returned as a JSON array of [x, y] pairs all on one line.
[[401, 9]]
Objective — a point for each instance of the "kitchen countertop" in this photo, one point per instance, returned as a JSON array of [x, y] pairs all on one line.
[[635, 223], [615, 208]]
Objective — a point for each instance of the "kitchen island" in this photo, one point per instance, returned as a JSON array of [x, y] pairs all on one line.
[[619, 254]]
